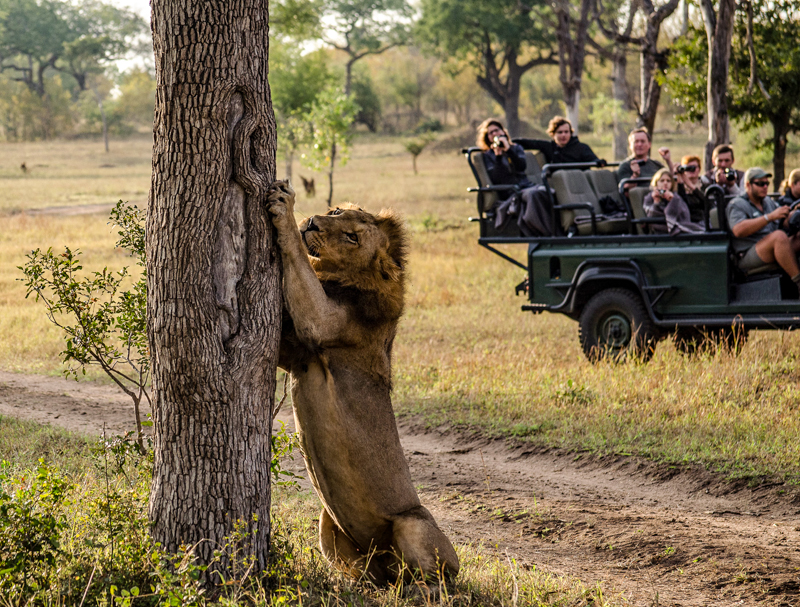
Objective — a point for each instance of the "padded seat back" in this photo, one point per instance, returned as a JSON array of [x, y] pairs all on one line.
[[533, 168], [572, 187], [604, 183], [636, 198], [486, 200]]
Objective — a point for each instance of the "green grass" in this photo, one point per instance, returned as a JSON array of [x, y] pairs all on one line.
[[95, 513]]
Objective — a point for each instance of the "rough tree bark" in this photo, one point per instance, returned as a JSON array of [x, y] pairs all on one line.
[[652, 61], [719, 31], [622, 42], [506, 90], [572, 53], [214, 299], [619, 144]]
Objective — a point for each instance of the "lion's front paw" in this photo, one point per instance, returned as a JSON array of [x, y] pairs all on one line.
[[280, 201]]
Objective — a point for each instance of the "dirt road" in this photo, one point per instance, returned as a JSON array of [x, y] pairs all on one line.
[[658, 535]]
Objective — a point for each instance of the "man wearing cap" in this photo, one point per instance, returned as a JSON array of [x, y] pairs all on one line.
[[754, 220]]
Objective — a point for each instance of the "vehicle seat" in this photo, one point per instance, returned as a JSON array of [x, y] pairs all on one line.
[[604, 183], [486, 200], [636, 198], [572, 187], [533, 168]]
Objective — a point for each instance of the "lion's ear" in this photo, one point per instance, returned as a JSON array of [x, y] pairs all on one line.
[[388, 268]]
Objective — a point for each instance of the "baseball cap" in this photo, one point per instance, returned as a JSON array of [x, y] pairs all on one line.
[[754, 173]]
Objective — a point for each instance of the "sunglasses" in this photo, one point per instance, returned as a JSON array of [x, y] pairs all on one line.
[[761, 184]]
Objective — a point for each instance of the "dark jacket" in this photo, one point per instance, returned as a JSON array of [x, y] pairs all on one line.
[[650, 168], [787, 200], [508, 168], [696, 201], [574, 151]]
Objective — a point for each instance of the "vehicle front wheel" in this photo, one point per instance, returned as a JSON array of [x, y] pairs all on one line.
[[615, 325]]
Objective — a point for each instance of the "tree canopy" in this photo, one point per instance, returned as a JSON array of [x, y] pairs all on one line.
[[769, 94], [500, 40]]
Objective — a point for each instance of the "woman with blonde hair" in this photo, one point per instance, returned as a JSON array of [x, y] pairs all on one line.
[[563, 146], [664, 201], [790, 188]]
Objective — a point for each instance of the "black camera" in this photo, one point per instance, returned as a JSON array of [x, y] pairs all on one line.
[[641, 163], [793, 225], [681, 169], [731, 174]]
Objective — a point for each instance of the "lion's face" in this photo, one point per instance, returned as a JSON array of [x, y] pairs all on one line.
[[353, 245]]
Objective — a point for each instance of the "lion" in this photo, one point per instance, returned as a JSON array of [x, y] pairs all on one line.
[[343, 284]]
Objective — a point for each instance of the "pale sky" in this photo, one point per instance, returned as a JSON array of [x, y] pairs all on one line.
[[141, 7]]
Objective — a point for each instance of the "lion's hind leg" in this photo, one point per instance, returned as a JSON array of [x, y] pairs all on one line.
[[342, 553], [423, 546]]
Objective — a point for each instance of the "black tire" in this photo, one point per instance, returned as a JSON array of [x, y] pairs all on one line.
[[691, 341], [615, 325]]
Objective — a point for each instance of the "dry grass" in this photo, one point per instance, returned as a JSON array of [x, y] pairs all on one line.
[[465, 353], [71, 173]]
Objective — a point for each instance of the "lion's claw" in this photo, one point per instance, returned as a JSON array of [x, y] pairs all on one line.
[[280, 199]]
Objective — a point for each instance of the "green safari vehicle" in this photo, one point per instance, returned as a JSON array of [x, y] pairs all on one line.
[[627, 288]]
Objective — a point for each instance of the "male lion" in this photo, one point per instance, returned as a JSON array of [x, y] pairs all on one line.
[[343, 290]]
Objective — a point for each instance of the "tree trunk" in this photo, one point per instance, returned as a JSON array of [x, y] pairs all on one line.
[[330, 174], [512, 115], [572, 104], [619, 145], [719, 30], [780, 130], [571, 54], [348, 77], [214, 299], [289, 161]]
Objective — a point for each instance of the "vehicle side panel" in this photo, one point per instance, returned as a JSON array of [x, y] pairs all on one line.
[[695, 270]]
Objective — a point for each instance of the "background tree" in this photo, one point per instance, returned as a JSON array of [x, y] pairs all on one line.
[[652, 61], [616, 23], [499, 40], [364, 27], [332, 117], [572, 34], [764, 86], [296, 82], [214, 301], [765, 73], [719, 31]]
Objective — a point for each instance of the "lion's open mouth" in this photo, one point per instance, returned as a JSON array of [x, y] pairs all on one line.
[[313, 248]]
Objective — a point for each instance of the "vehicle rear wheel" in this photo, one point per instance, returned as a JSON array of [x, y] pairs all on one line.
[[691, 341], [615, 325]]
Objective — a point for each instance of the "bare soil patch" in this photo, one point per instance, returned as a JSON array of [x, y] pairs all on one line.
[[659, 535]]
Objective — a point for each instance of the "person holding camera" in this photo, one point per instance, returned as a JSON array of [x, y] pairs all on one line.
[[664, 201], [639, 163], [791, 189], [690, 187], [723, 174], [505, 164], [755, 221], [563, 147], [504, 161]]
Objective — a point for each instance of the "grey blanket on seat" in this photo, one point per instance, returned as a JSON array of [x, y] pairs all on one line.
[[531, 209]]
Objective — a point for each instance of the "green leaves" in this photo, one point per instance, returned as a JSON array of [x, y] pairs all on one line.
[[103, 314], [331, 116]]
